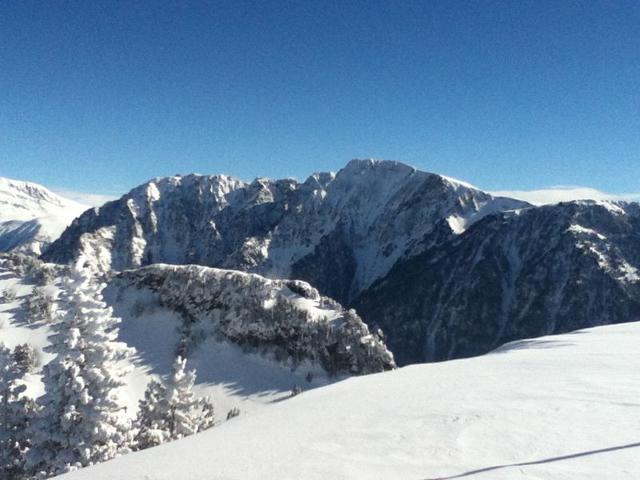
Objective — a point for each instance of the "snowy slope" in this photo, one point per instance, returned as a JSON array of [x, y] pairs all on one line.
[[564, 408], [31, 216], [16, 330], [252, 339], [240, 379]]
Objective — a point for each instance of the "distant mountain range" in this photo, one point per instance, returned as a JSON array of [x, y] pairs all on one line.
[[443, 269]]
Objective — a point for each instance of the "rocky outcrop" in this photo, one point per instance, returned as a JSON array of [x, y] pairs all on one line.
[[286, 318]]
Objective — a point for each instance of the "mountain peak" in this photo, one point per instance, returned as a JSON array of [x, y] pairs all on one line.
[[362, 165], [391, 166]]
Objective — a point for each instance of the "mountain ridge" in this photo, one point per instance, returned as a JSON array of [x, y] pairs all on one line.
[[546, 270], [270, 226]]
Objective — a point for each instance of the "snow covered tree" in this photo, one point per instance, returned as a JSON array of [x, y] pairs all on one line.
[[15, 413], [170, 410], [40, 305], [151, 424], [207, 417], [234, 412], [182, 404], [9, 294], [25, 358], [82, 421], [43, 274], [23, 264]]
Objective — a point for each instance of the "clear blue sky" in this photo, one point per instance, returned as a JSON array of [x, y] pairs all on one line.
[[100, 96]]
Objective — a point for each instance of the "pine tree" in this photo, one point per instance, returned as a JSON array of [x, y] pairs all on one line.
[[182, 404], [234, 412], [151, 421], [207, 415], [40, 305], [9, 295], [82, 421], [171, 410], [15, 413], [25, 358], [43, 274]]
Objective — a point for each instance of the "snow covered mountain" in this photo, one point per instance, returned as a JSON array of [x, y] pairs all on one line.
[[244, 280], [31, 216], [562, 407], [340, 231]]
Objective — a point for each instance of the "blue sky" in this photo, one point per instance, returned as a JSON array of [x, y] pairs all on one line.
[[100, 96]]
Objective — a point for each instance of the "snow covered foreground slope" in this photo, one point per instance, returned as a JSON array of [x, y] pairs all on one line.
[[562, 407], [31, 216]]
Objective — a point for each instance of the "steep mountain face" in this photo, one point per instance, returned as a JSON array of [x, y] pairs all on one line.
[[287, 319], [539, 271], [31, 216], [340, 231]]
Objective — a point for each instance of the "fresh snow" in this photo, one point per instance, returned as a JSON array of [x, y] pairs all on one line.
[[458, 183], [629, 272], [613, 207], [562, 407], [597, 244]]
